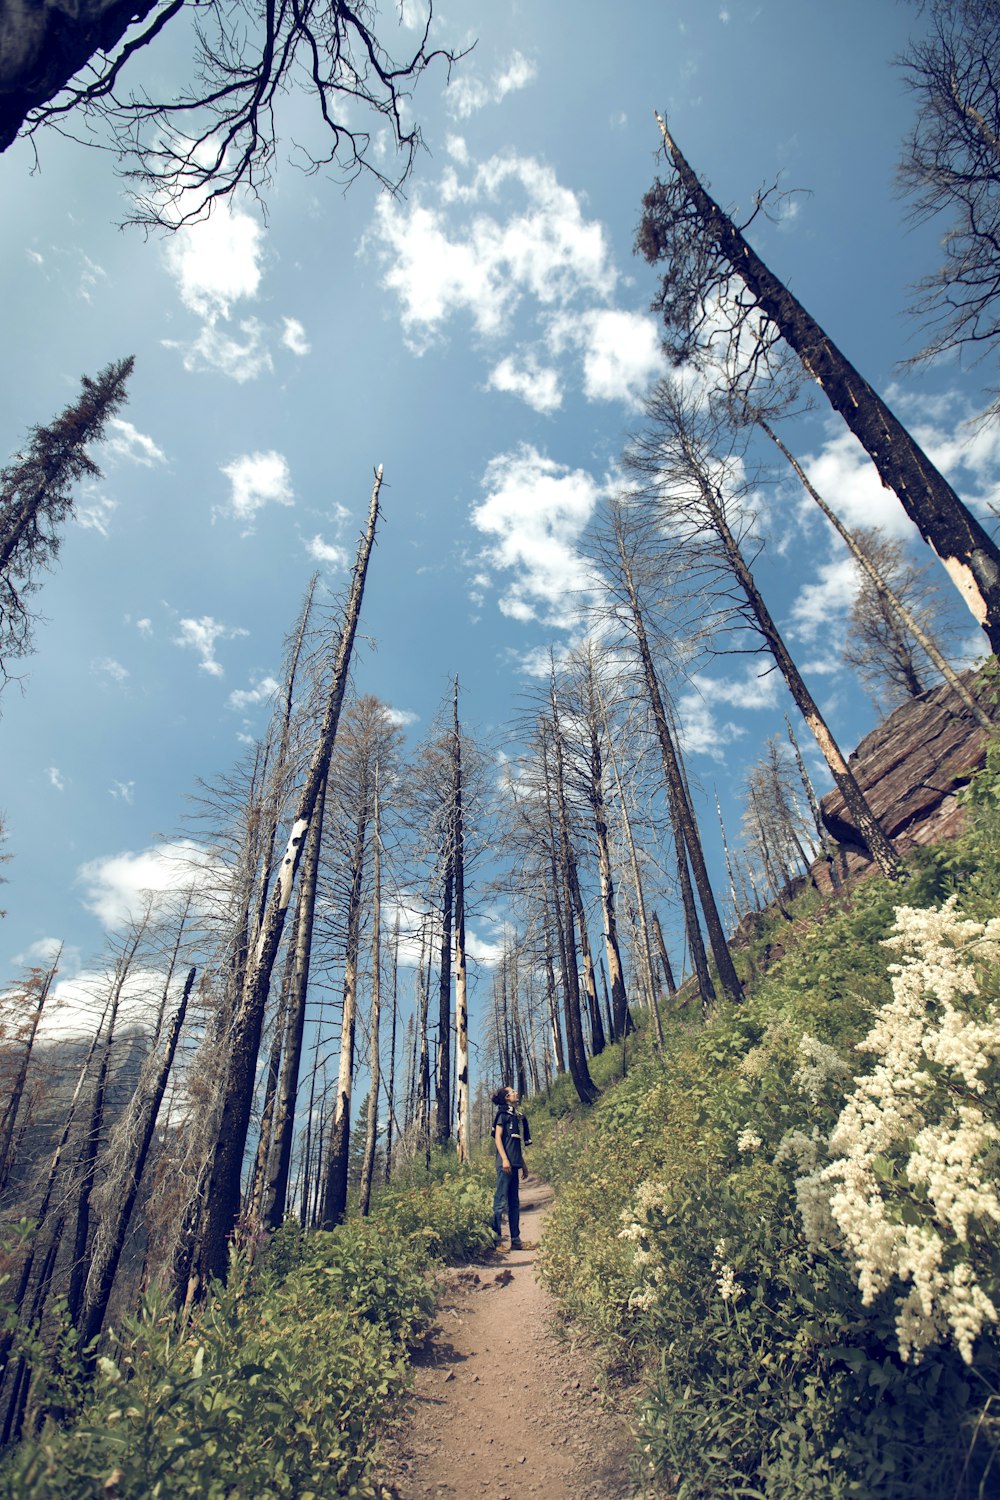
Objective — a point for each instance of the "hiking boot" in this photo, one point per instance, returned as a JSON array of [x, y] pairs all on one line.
[[516, 1245]]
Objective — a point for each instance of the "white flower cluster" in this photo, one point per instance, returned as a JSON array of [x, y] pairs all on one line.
[[821, 1067], [748, 1141], [921, 1133], [647, 1258], [729, 1288]]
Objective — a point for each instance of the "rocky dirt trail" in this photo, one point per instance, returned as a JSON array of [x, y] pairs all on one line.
[[503, 1406]]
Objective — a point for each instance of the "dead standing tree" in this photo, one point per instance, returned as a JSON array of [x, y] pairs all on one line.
[[696, 483], [222, 1199], [711, 272], [621, 571]]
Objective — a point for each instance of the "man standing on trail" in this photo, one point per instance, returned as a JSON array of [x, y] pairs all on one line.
[[511, 1134]]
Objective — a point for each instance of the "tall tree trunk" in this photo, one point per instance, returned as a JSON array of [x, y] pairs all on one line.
[[9, 1122], [595, 789], [391, 1105], [461, 977], [971, 559], [579, 1071], [41, 1213], [109, 1241], [668, 973], [681, 813], [880, 847], [550, 995], [87, 1164], [223, 1196], [371, 1125], [283, 1133], [640, 900], [335, 1202], [442, 1077]]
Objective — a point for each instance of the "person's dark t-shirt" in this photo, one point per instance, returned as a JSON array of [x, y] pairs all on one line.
[[515, 1136]]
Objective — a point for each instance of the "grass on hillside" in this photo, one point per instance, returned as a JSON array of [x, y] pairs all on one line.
[[775, 1362]]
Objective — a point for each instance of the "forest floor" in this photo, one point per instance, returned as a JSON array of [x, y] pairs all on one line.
[[504, 1404]]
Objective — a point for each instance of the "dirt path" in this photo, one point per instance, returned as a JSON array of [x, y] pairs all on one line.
[[502, 1407]]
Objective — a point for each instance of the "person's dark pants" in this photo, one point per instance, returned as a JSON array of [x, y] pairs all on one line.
[[506, 1197]]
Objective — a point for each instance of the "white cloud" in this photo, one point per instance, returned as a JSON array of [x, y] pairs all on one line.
[[457, 149], [546, 250], [326, 553], [401, 718], [201, 636], [256, 480], [618, 120], [215, 349], [127, 442], [243, 698], [43, 953], [123, 791], [91, 276], [294, 337], [96, 514], [34, 255], [621, 352], [757, 688], [848, 481], [831, 596], [536, 384], [536, 511], [144, 627], [56, 778], [118, 887], [216, 262], [112, 669], [467, 94], [700, 731]]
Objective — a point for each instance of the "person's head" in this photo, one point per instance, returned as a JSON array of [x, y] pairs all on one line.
[[505, 1095]]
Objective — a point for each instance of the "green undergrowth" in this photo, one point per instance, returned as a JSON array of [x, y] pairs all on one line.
[[677, 1240], [280, 1383]]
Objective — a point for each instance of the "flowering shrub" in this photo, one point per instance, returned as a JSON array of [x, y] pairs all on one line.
[[909, 1187], [677, 1239]]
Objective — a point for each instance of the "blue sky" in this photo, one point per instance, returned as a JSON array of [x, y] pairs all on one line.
[[486, 338]]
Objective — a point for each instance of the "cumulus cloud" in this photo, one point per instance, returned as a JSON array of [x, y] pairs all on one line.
[[847, 479], [701, 733], [535, 513], [467, 94], [262, 691], [56, 778], [201, 636], [621, 352], [241, 358], [400, 718], [294, 337], [216, 262], [327, 554], [536, 384], [144, 626], [44, 952], [757, 688], [125, 441], [544, 249], [826, 599], [118, 888], [256, 480]]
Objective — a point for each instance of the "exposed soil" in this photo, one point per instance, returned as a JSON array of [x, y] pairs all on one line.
[[503, 1405]]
